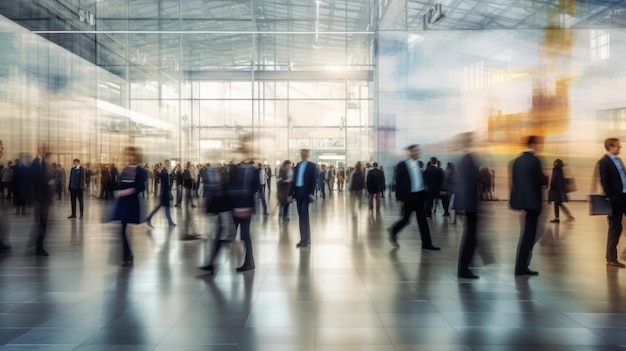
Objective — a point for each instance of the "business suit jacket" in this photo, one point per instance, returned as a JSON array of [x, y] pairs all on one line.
[[40, 177], [375, 182], [403, 182], [310, 178], [433, 179], [609, 178], [527, 180], [466, 189], [128, 208], [82, 177], [166, 188]]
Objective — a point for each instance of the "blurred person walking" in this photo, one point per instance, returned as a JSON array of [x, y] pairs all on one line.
[[261, 190], [433, 180], [341, 178], [466, 200], [283, 183], [411, 195], [4, 217], [375, 184], [527, 182], [357, 184], [449, 184], [41, 174], [188, 232], [6, 176], [165, 195], [132, 182], [558, 191], [321, 185], [77, 185]]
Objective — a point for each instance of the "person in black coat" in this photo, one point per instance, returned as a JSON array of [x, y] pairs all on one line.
[[527, 182], [466, 200], [557, 192], [375, 184], [411, 195], [131, 182], [433, 178], [303, 190], [357, 184], [40, 176], [612, 176], [165, 195]]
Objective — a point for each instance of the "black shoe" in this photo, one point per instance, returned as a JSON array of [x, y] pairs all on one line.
[[617, 264], [172, 224], [81, 217], [72, 216], [210, 269], [446, 215], [128, 263], [467, 275], [433, 248], [556, 220], [266, 214], [149, 225], [526, 272], [4, 247], [298, 245], [41, 252], [244, 268]]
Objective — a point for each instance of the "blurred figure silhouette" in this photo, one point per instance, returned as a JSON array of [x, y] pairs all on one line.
[[41, 174], [375, 184], [558, 192], [165, 196], [411, 195], [4, 218], [526, 184], [132, 181], [19, 184], [466, 200], [218, 203], [283, 182]]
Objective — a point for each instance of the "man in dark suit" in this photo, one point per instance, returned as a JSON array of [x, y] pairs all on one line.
[[42, 193], [411, 195], [375, 184], [526, 194], [613, 180], [77, 186], [433, 178], [303, 190], [466, 200]]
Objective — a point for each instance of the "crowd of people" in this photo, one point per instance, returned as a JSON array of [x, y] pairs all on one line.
[[229, 193]]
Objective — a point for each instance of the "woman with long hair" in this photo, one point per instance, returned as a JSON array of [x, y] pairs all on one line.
[[357, 183]]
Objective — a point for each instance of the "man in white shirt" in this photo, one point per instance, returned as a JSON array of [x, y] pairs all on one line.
[[411, 195]]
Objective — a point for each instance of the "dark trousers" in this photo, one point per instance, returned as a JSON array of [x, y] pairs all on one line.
[[527, 241], [76, 194], [468, 242], [302, 201], [244, 224], [415, 203], [322, 189], [615, 228], [445, 203], [127, 254], [262, 196], [558, 206], [43, 211], [284, 210]]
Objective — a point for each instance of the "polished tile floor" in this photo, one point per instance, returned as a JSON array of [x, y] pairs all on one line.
[[350, 291]]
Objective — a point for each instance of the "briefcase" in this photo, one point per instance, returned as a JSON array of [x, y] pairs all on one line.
[[599, 206]]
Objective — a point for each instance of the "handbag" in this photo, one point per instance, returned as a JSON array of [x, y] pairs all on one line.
[[570, 185], [599, 205]]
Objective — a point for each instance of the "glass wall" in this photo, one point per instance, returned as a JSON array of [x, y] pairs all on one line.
[[560, 83]]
